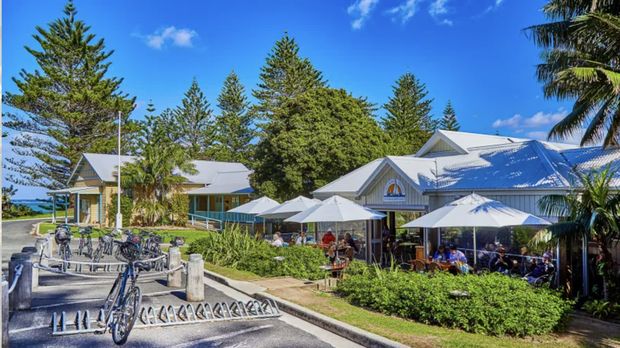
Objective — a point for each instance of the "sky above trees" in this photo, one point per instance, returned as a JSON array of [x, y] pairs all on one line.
[[472, 52]]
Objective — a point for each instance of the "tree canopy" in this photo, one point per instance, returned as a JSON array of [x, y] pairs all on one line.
[[193, 122], [66, 107], [581, 50], [408, 121], [315, 138], [449, 121], [234, 130]]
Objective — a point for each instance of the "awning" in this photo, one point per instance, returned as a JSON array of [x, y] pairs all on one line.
[[87, 190], [336, 209], [256, 206]]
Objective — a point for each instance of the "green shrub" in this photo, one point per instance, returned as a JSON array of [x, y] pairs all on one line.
[[236, 249], [495, 305], [126, 209], [179, 209], [601, 309]]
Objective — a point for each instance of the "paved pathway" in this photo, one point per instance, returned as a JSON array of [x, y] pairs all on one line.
[[59, 293], [15, 235]]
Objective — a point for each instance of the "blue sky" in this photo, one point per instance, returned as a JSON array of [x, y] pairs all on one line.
[[473, 52]]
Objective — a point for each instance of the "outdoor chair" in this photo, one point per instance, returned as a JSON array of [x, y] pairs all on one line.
[[433, 267], [419, 266]]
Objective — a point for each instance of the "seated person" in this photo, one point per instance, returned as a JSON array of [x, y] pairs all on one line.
[[302, 239], [353, 248], [542, 268], [441, 255], [328, 237], [277, 240], [456, 255], [501, 263]]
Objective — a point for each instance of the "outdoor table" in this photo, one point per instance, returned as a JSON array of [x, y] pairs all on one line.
[[443, 265]]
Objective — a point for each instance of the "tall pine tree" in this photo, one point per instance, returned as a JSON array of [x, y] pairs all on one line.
[[66, 108], [233, 126], [193, 121], [285, 75], [408, 121], [448, 121]]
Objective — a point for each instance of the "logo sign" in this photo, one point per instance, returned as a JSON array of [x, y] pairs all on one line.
[[394, 191]]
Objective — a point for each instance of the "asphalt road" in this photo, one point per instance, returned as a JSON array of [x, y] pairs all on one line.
[[15, 235], [59, 293]]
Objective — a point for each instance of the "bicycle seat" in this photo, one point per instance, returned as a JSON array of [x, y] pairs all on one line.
[[142, 266], [156, 238], [85, 230]]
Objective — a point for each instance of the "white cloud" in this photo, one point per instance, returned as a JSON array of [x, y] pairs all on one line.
[[494, 6], [361, 9], [539, 119], [177, 37], [438, 7], [404, 11]]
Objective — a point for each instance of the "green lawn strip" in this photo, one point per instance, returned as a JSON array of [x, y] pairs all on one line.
[[417, 334], [35, 216]]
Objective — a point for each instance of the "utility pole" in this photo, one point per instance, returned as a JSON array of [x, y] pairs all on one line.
[[119, 215]]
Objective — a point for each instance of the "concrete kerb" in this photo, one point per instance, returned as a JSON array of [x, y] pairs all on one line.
[[347, 331]]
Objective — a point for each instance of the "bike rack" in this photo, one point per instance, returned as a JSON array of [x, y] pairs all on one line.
[[152, 316]]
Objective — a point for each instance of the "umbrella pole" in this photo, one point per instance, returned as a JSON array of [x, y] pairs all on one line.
[[475, 252]]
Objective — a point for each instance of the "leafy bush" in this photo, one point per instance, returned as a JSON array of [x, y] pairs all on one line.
[[601, 309], [179, 209], [495, 304], [236, 249], [126, 209], [17, 210]]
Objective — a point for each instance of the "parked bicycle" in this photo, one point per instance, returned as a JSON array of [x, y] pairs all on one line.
[[105, 246], [85, 241], [62, 235], [122, 306], [177, 241]]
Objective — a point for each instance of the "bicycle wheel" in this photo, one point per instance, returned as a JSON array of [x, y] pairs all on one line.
[[66, 256], [89, 247], [126, 316], [96, 258], [109, 302], [81, 246]]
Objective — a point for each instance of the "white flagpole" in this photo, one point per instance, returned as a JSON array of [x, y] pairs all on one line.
[[119, 215]]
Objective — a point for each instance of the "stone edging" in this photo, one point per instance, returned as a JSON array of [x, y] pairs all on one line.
[[357, 335]]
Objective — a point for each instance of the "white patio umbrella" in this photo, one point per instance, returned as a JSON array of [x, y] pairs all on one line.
[[289, 208], [256, 206], [336, 209], [476, 211]]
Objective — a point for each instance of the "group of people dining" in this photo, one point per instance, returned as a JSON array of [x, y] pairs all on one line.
[[531, 268], [346, 246]]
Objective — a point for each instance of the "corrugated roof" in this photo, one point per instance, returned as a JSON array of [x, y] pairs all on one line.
[[227, 182], [105, 165], [352, 181]]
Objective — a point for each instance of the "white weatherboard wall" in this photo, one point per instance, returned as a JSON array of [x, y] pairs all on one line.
[[374, 198]]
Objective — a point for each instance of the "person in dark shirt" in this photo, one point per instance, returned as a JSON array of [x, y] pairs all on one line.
[[542, 268], [441, 255], [501, 262]]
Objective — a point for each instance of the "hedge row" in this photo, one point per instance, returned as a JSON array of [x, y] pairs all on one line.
[[236, 249], [493, 304]]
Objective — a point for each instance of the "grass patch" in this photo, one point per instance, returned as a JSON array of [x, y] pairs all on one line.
[[232, 273], [406, 331], [35, 216]]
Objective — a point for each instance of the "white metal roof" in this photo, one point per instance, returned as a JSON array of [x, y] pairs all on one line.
[[86, 190], [485, 162], [218, 177]]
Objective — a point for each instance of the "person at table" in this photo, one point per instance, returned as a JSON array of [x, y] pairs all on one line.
[[328, 237], [352, 247], [501, 262], [528, 263], [543, 268], [277, 240], [441, 254], [302, 239], [456, 255]]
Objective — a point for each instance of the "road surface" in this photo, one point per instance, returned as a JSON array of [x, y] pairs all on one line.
[[59, 293]]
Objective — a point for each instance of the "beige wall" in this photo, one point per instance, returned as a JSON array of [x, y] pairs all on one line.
[[374, 196]]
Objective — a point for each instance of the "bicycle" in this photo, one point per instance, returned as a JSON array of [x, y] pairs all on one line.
[[85, 241], [105, 246], [122, 305], [62, 235]]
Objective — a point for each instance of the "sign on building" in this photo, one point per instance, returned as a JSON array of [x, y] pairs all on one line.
[[394, 191]]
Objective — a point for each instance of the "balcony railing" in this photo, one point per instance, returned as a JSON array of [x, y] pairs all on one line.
[[230, 217]]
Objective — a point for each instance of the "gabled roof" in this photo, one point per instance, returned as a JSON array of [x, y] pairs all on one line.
[[229, 176], [462, 142], [484, 162], [353, 181]]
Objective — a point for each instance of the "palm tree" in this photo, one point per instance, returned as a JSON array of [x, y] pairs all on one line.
[[582, 62], [589, 212], [157, 172]]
